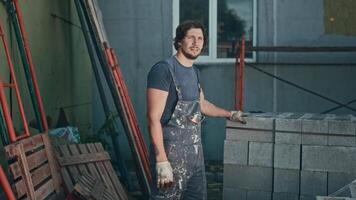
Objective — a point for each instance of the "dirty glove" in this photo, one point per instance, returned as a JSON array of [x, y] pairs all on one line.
[[164, 174], [237, 116]]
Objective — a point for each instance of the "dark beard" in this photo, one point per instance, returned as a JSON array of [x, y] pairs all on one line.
[[190, 56]]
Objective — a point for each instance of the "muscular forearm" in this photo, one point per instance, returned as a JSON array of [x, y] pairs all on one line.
[[211, 110], [156, 133]]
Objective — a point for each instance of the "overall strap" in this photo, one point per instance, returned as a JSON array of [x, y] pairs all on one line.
[[198, 78], [171, 68]]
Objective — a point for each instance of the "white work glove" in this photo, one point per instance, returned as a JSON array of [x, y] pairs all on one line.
[[164, 174], [237, 116]]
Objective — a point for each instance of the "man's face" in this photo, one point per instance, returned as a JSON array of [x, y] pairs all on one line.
[[192, 44]]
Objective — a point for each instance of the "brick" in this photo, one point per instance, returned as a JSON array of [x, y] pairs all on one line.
[[260, 195], [260, 154], [234, 193], [314, 139], [287, 156], [313, 183], [254, 122], [286, 181], [285, 196], [328, 158], [248, 177], [249, 135], [235, 152], [337, 180], [342, 127], [288, 138]]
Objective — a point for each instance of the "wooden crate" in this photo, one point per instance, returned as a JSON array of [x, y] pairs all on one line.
[[88, 159], [33, 168]]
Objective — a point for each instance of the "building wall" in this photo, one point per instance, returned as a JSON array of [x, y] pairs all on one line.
[[141, 33]]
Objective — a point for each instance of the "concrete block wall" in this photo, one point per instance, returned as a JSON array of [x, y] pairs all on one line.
[[289, 156]]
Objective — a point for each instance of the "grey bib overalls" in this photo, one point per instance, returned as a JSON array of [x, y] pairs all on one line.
[[182, 142]]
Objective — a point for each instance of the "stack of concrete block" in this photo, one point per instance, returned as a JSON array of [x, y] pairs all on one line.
[[248, 158], [289, 156]]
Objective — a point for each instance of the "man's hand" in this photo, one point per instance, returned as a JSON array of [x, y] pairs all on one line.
[[237, 116], [164, 174]]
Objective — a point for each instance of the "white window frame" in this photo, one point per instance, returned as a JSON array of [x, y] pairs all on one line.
[[212, 40]]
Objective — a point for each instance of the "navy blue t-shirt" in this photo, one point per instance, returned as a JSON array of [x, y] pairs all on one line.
[[160, 78]]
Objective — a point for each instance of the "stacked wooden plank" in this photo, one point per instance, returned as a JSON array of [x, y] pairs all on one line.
[[81, 160], [33, 168]]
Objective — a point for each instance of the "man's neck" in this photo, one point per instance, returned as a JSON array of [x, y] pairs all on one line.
[[184, 60]]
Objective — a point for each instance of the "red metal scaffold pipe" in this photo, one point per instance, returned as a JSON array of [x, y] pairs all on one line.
[[113, 62], [239, 76], [6, 112], [5, 185], [31, 67]]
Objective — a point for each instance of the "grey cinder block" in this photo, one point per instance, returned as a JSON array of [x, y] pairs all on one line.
[[306, 197], [288, 138], [260, 195], [328, 158], [285, 196], [313, 183], [286, 181], [334, 198], [349, 140], [253, 122], [287, 156], [346, 127], [337, 180], [234, 193], [260, 154], [315, 126], [249, 135], [314, 139], [235, 152], [290, 125], [248, 177]]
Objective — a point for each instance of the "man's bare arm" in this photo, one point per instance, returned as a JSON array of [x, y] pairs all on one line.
[[156, 101], [212, 110]]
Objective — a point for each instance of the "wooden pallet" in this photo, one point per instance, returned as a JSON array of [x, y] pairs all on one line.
[[33, 168], [90, 188], [88, 159]]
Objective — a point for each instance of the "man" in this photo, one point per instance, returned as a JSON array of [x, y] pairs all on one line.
[[175, 104]]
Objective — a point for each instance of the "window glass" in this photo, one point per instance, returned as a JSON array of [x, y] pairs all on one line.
[[235, 18], [197, 10]]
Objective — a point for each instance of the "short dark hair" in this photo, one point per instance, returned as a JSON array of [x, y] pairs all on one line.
[[183, 28]]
